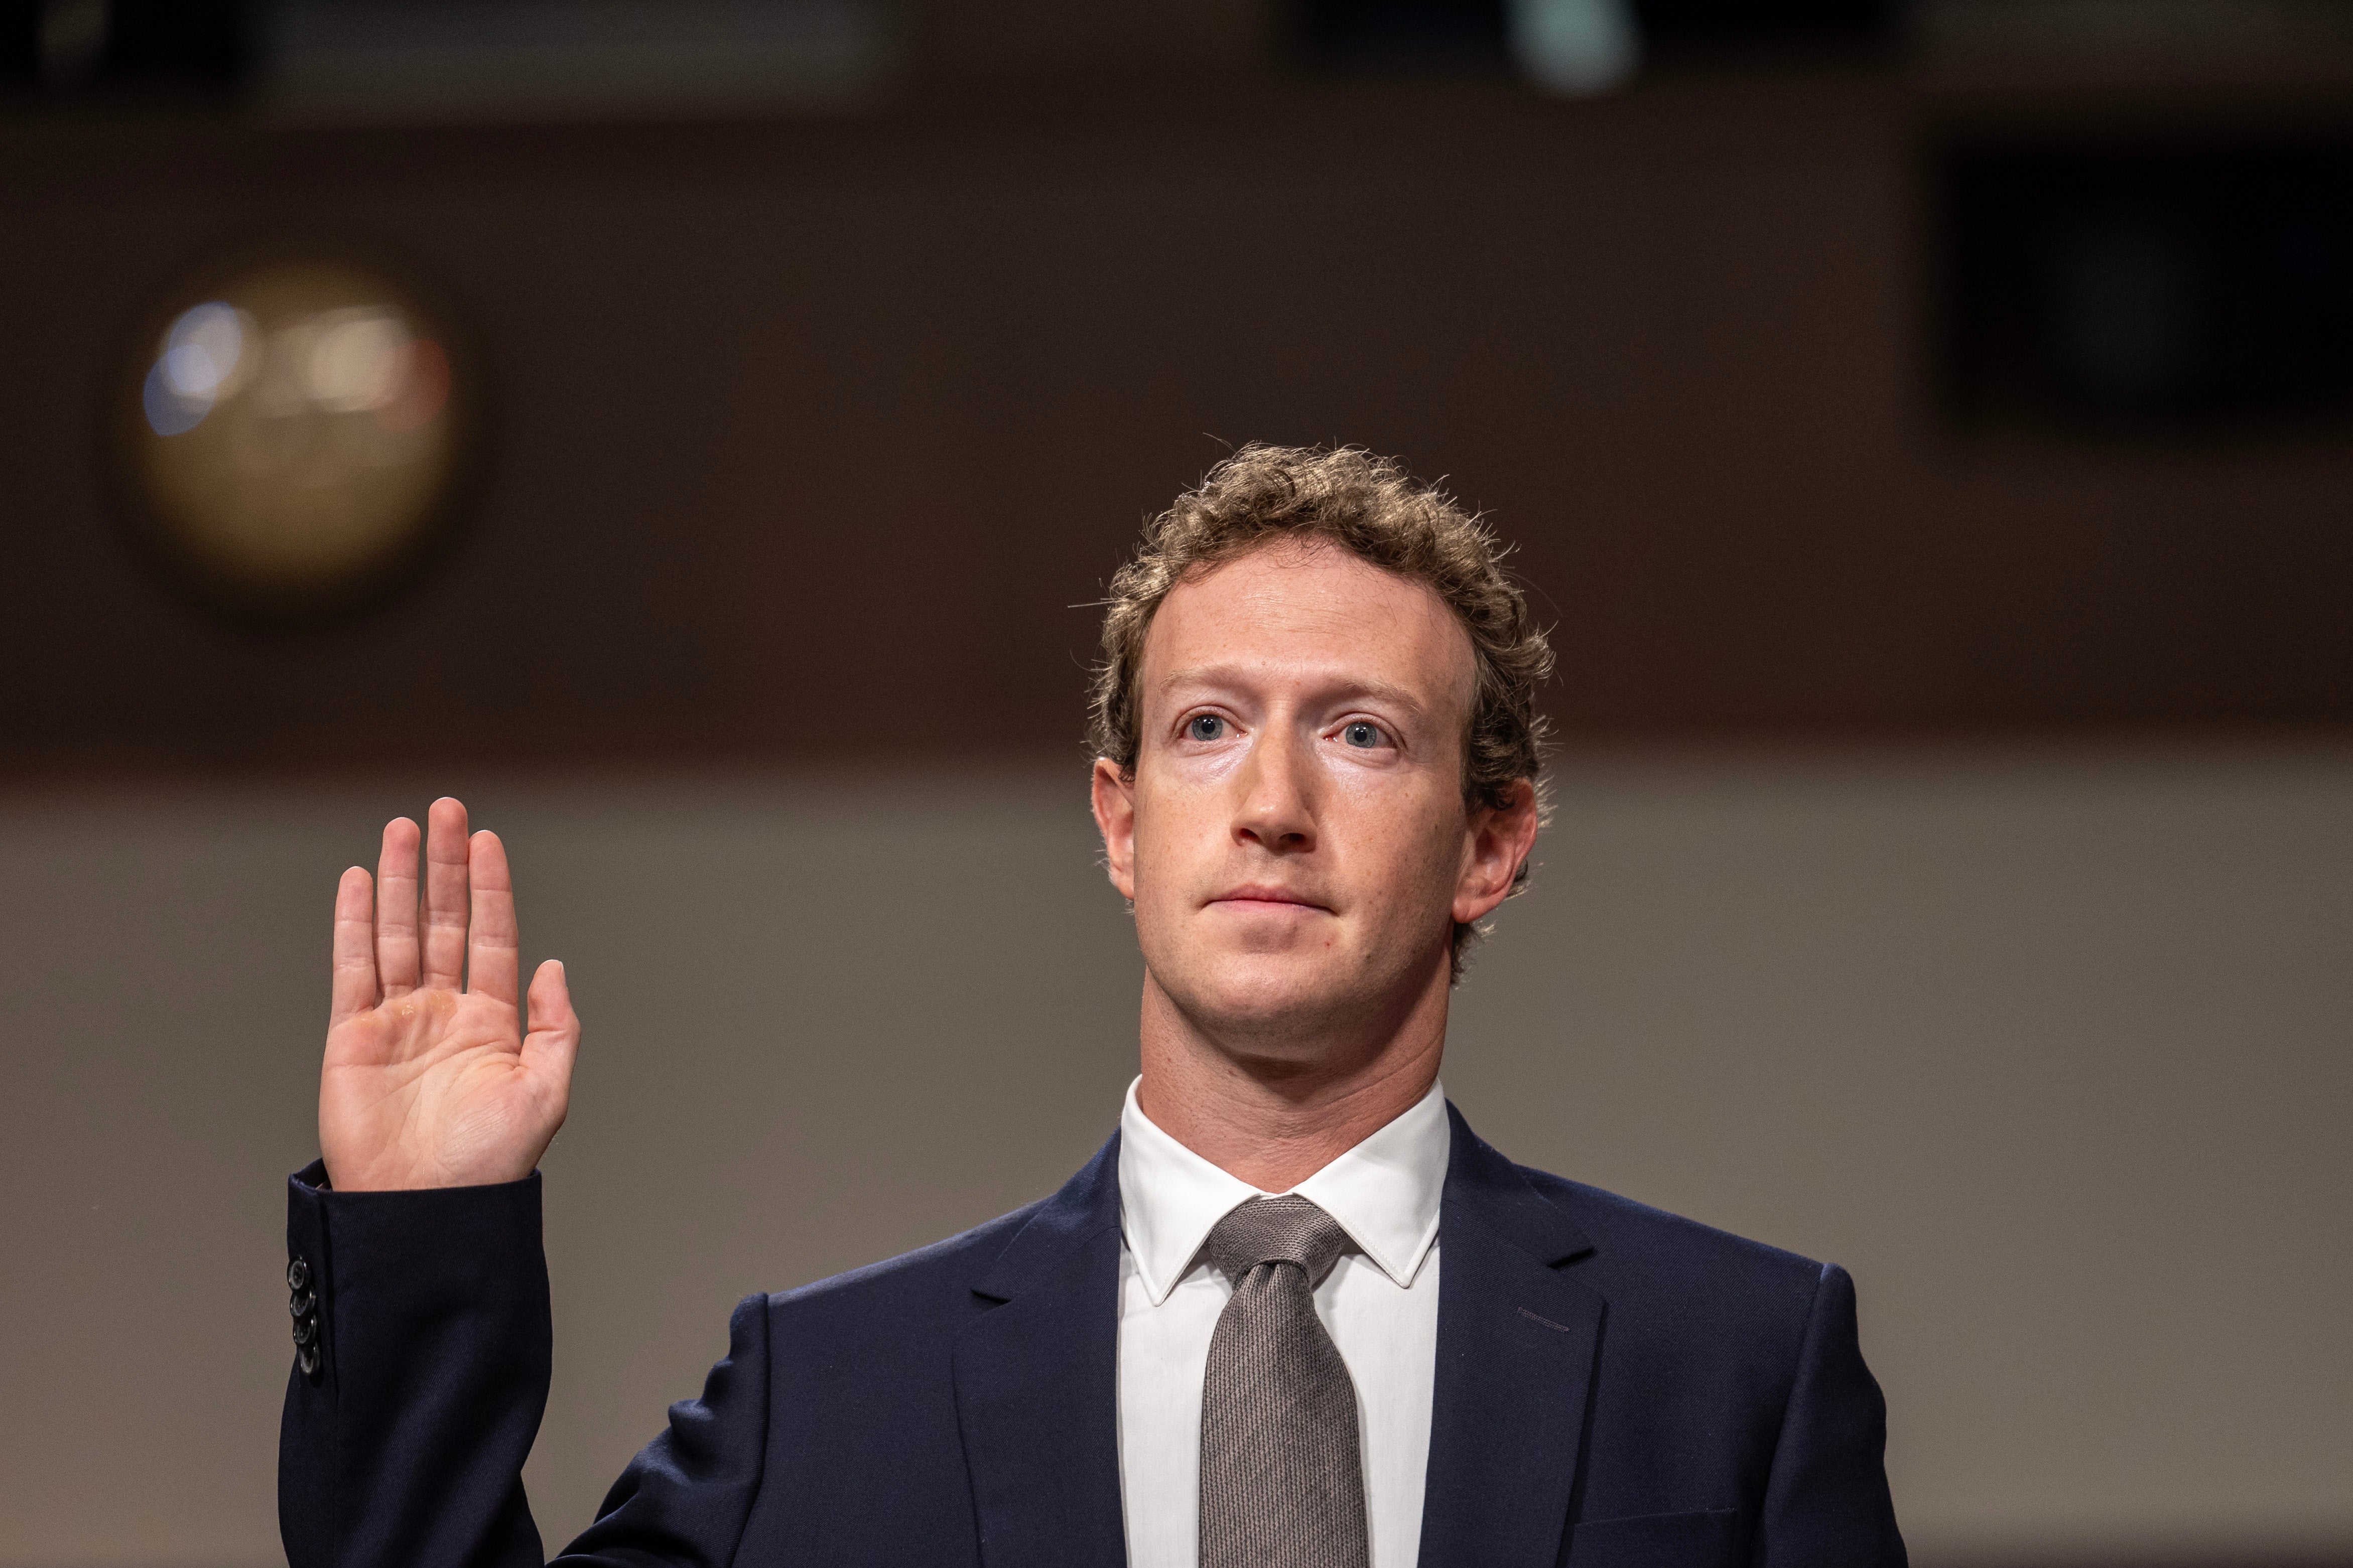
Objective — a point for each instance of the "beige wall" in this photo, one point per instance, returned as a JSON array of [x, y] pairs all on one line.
[[2050, 1048]]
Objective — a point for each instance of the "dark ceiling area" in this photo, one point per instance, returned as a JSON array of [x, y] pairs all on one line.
[[816, 436]]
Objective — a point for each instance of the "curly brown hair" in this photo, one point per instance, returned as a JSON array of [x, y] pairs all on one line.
[[1371, 507]]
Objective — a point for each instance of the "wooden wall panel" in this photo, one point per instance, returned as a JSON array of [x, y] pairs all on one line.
[[812, 433]]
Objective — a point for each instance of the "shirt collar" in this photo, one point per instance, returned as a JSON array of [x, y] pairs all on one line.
[[1384, 1193]]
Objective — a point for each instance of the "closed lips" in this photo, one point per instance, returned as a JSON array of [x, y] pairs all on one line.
[[1264, 896]]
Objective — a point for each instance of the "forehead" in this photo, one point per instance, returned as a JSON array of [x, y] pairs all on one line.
[[1313, 613]]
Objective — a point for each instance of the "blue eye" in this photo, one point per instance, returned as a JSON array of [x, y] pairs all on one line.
[[1362, 734], [1205, 727]]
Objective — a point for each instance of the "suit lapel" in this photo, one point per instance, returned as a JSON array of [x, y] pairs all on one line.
[[1037, 1380], [1517, 1346]]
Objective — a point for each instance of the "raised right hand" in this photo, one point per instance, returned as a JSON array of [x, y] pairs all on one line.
[[425, 1085]]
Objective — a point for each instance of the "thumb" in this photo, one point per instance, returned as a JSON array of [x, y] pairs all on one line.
[[554, 1039]]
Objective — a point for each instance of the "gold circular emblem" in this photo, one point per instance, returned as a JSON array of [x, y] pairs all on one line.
[[295, 431]]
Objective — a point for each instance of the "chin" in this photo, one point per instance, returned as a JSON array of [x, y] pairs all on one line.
[[1286, 1005]]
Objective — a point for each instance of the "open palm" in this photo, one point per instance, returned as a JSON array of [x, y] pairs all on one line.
[[427, 1084]]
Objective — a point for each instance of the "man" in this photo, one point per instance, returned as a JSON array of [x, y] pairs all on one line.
[[1295, 1312]]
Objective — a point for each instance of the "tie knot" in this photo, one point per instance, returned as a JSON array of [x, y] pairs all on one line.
[[1288, 1229]]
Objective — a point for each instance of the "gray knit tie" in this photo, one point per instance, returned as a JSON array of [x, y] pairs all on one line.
[[1283, 1484]]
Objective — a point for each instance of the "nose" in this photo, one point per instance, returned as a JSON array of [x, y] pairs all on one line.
[[1276, 810]]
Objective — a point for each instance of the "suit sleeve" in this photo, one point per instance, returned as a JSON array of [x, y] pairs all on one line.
[[1826, 1500], [405, 1434]]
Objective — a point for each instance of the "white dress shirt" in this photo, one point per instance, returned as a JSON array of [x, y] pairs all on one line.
[[1379, 1303]]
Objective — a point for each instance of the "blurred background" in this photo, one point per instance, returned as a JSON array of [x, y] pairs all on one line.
[[694, 432]]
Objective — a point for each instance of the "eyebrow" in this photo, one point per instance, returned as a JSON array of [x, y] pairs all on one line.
[[1216, 675]]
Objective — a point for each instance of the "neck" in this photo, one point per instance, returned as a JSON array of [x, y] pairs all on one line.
[[1275, 1118]]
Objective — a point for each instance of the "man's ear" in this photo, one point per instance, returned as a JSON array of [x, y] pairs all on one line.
[[1499, 840], [1114, 805]]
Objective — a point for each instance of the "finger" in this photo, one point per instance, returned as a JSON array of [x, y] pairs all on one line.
[[354, 990], [396, 908], [549, 1050], [444, 945], [494, 965]]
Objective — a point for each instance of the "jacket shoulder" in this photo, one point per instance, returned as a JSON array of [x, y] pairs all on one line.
[[923, 1281], [919, 1297], [1644, 1251]]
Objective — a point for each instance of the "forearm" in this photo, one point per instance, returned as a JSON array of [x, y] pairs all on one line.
[[404, 1446]]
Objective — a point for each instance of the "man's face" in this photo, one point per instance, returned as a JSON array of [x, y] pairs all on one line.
[[1294, 839]]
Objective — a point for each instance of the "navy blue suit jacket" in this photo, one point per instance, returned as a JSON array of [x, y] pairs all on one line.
[[1615, 1386]]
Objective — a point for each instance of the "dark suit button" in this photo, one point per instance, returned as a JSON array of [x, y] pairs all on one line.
[[308, 1360], [301, 1304], [305, 1329], [298, 1273]]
